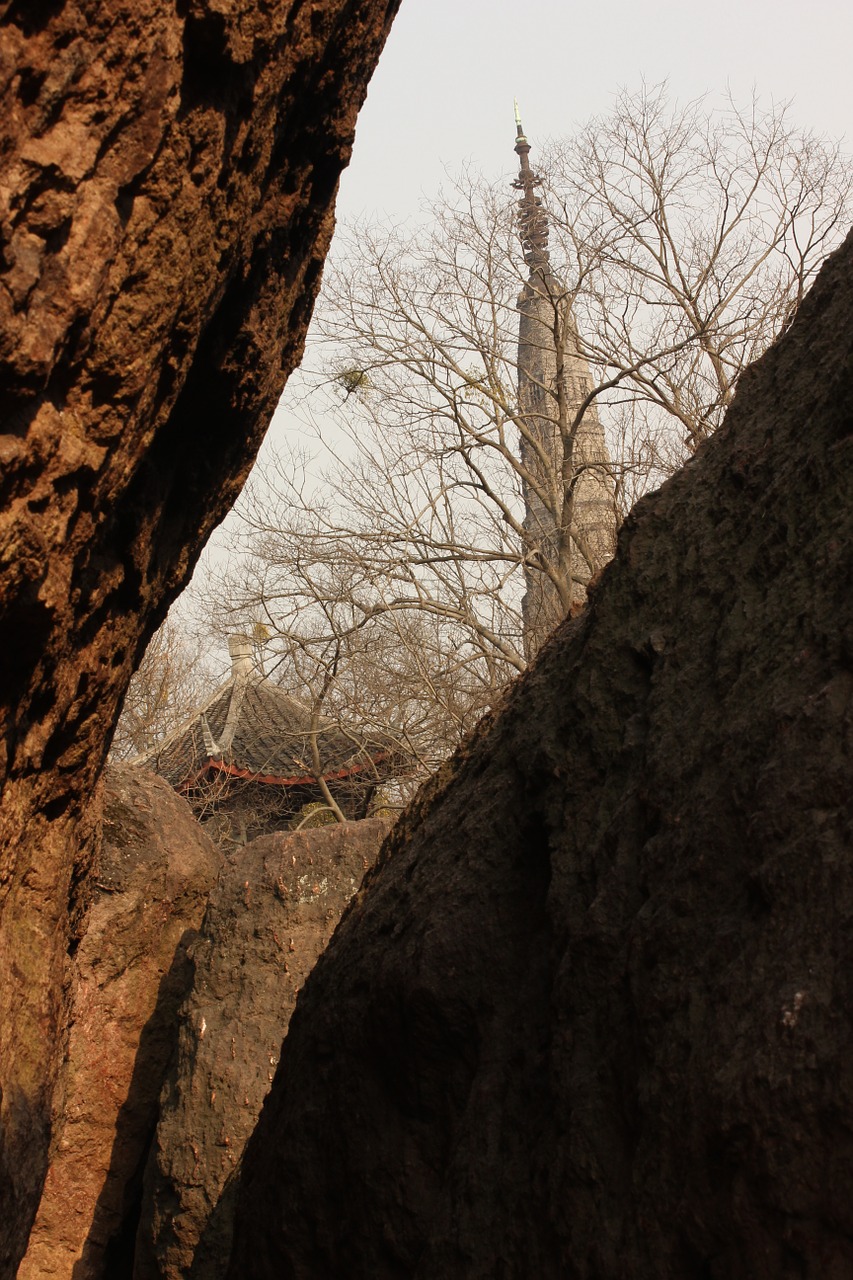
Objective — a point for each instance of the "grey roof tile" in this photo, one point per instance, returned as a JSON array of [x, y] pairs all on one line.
[[253, 727]]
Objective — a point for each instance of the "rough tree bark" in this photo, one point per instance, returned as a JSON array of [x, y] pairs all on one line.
[[592, 1013], [167, 175]]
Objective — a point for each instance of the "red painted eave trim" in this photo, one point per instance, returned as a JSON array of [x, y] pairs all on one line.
[[307, 780]]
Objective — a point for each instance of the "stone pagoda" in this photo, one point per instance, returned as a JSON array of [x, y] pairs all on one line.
[[568, 486]]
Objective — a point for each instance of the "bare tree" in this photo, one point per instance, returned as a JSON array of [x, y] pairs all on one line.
[[690, 236], [408, 679], [164, 691], [679, 244]]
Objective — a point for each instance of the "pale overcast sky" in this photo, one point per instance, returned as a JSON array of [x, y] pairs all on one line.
[[443, 91]]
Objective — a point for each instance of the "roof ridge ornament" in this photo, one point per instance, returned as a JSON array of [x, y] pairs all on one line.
[[211, 746], [235, 706], [240, 651]]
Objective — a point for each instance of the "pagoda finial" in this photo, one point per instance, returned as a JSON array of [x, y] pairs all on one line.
[[518, 129], [532, 219], [522, 146]]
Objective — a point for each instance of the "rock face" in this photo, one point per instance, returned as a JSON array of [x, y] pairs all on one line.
[[592, 1015], [168, 174], [271, 915], [151, 884]]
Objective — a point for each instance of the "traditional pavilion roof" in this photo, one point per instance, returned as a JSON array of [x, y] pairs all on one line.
[[250, 728]]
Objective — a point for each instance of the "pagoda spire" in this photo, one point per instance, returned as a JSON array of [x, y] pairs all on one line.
[[532, 218], [567, 485]]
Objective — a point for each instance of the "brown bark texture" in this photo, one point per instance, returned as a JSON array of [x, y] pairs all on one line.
[[167, 174], [155, 870], [591, 1015], [274, 909]]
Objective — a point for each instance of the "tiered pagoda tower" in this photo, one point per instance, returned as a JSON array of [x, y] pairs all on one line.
[[574, 532]]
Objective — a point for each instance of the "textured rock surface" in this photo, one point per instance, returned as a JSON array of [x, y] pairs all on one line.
[[271, 915], [167, 172], [592, 1015], [155, 871]]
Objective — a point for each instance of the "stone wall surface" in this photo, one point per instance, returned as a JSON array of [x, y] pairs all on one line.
[[150, 888], [591, 1014], [276, 905], [167, 175]]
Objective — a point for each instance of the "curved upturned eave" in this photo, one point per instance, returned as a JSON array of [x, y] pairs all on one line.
[[304, 780]]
